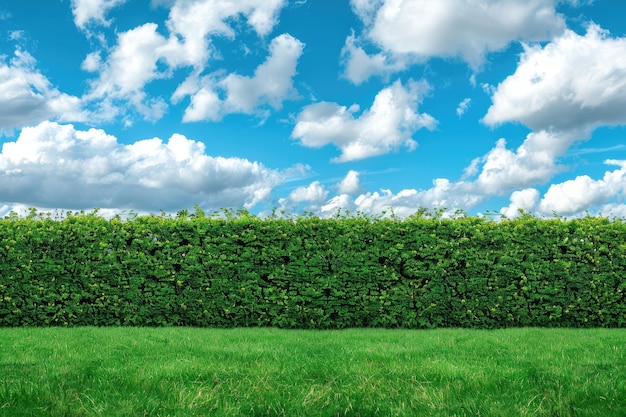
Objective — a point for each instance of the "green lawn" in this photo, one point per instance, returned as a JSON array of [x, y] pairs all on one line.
[[269, 372]]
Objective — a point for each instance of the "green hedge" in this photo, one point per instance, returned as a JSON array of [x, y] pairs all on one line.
[[423, 272]]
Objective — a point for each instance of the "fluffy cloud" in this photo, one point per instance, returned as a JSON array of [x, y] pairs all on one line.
[[443, 194], [130, 66], [308, 197], [86, 11], [54, 165], [614, 210], [350, 184], [314, 192], [271, 83], [359, 66], [28, 97], [573, 83], [498, 172], [337, 204], [388, 125], [521, 200], [143, 55], [196, 21], [420, 29], [533, 162], [583, 192]]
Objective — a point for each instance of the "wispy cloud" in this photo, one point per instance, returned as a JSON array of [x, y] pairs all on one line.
[[585, 151]]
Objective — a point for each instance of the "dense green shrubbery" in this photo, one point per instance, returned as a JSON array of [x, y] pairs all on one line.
[[422, 272]]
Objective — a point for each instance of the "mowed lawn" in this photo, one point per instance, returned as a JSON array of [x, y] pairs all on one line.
[[271, 372]]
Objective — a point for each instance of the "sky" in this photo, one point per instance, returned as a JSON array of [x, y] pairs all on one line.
[[314, 106]]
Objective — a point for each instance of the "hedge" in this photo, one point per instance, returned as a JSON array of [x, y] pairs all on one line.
[[421, 272]]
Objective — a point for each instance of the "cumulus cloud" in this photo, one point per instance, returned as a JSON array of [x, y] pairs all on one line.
[[28, 97], [53, 165], [444, 194], [308, 197], [387, 125], [143, 55], [533, 162], [420, 29], [498, 172], [196, 21], [573, 83], [360, 66], [131, 65], [271, 84], [350, 184], [93, 11], [337, 204], [314, 192], [613, 210], [521, 200], [583, 192]]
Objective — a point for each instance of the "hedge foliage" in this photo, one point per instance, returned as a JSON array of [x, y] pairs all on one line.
[[422, 272]]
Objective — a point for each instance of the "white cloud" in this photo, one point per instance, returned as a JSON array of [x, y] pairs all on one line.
[[388, 125], [92, 62], [350, 184], [54, 165], [308, 198], [573, 83], [583, 192], [613, 210], [314, 192], [339, 203], [498, 172], [143, 55], [533, 162], [95, 11], [524, 199], [271, 83], [360, 67], [463, 106], [421, 29], [366, 9], [442, 195], [196, 21], [131, 65], [28, 97]]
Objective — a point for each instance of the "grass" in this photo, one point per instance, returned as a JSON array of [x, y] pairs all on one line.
[[269, 372]]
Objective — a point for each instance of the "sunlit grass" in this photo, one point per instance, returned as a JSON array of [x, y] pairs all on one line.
[[270, 372]]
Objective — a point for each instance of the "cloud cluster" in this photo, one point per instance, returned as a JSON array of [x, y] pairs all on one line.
[[407, 31], [144, 54], [583, 192], [213, 97], [27, 96], [387, 125], [525, 200], [350, 184], [93, 11], [533, 162], [576, 82], [53, 165]]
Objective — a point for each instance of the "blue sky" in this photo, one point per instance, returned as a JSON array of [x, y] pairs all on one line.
[[313, 105]]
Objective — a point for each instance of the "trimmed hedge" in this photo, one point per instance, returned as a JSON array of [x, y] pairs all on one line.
[[423, 272]]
